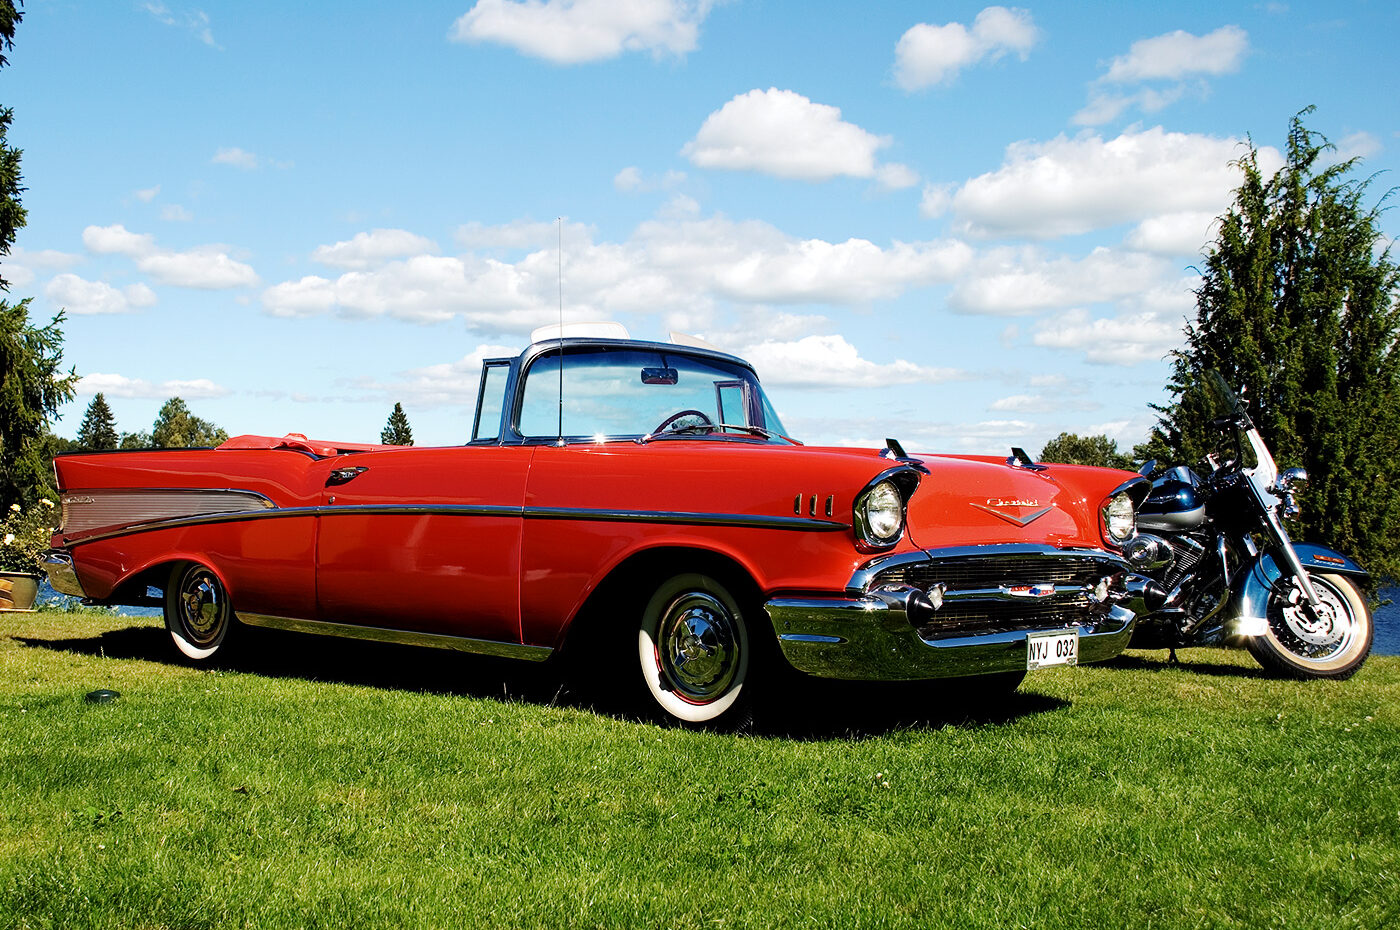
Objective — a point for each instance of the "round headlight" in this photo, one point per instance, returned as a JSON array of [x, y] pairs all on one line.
[[883, 513], [1118, 516]]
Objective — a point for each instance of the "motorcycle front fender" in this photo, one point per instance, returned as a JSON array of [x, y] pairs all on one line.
[[1248, 611]]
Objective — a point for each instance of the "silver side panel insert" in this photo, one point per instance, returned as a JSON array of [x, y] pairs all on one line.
[[486, 647], [84, 511]]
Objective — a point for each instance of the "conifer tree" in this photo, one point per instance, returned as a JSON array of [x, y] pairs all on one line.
[[98, 431], [397, 432], [32, 382], [1298, 306]]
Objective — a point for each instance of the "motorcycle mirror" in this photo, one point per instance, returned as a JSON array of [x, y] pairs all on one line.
[[1148, 467]]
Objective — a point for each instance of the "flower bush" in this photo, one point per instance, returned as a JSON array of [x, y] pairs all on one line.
[[25, 535]]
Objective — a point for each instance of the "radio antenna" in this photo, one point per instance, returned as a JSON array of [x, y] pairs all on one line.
[[560, 222]]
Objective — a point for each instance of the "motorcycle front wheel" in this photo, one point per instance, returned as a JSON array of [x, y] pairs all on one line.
[[1331, 644]]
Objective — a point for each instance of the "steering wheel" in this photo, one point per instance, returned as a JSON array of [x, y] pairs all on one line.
[[681, 415]]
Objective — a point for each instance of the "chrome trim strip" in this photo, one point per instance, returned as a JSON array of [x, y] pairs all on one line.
[[487, 647], [801, 524], [58, 565], [689, 518]]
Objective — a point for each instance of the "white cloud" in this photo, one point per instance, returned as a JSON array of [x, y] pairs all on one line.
[[1127, 339], [928, 54], [174, 213], [631, 180], [83, 297], [18, 267], [373, 248], [832, 362], [1180, 54], [122, 386], [1186, 233], [1357, 145], [236, 157], [520, 234], [147, 194], [570, 32], [675, 264], [894, 176], [445, 384], [782, 133], [1017, 281], [196, 21], [1041, 403], [117, 240], [1071, 186], [1174, 57], [206, 267]]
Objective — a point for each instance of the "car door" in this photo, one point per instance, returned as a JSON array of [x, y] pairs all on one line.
[[424, 540]]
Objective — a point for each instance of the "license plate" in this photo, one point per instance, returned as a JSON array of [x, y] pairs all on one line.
[[1058, 648]]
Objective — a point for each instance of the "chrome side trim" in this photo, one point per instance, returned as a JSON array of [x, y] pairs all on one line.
[[58, 565], [486, 647], [683, 518], [688, 518]]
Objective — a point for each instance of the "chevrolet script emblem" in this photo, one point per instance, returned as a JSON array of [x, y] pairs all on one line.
[[1004, 507]]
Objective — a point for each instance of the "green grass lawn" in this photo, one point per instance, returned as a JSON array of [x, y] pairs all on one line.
[[319, 783]]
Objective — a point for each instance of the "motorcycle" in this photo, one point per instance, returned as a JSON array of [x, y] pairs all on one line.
[[1215, 563]]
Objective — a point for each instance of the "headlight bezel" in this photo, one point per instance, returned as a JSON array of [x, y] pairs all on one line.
[[894, 487], [1118, 512]]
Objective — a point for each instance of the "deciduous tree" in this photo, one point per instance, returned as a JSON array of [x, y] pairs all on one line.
[[1073, 449], [176, 428]]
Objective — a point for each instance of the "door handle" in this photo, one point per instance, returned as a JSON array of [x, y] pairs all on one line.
[[342, 475]]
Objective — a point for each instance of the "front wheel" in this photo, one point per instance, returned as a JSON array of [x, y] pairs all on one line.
[[694, 654], [197, 611], [1330, 644]]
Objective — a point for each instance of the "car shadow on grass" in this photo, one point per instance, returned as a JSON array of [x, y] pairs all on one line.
[[803, 709]]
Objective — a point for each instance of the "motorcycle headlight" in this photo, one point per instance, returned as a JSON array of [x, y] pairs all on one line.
[[1117, 514], [879, 515]]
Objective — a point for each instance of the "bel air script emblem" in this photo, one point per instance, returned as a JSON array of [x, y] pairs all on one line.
[[1008, 508]]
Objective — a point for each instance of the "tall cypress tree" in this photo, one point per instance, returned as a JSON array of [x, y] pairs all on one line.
[[1299, 307], [98, 431], [397, 432]]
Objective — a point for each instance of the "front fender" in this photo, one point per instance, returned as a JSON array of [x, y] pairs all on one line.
[[1248, 611]]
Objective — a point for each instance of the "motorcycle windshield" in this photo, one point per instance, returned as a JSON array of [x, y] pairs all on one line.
[[1236, 445]]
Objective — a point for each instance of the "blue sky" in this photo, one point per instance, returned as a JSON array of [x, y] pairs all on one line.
[[961, 225]]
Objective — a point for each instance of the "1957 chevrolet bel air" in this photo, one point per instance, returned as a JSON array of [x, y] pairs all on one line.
[[636, 501]]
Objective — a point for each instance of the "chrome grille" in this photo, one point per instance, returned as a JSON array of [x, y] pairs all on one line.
[[979, 598]]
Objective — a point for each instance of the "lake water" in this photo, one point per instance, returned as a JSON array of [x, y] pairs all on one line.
[[1387, 618]]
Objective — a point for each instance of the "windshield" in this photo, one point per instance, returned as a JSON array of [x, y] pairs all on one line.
[[631, 393]]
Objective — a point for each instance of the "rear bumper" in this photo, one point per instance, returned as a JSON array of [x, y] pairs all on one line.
[[871, 638], [58, 565]]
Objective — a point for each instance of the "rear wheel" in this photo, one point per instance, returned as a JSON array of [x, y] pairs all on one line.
[[197, 611], [694, 652], [1330, 642]]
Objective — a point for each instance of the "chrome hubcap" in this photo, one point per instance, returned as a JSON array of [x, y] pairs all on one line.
[[697, 647], [202, 607]]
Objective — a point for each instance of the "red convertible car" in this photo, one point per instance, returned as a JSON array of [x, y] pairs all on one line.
[[635, 502]]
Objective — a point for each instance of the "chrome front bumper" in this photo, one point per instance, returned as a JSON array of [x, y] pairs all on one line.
[[871, 638], [891, 631]]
